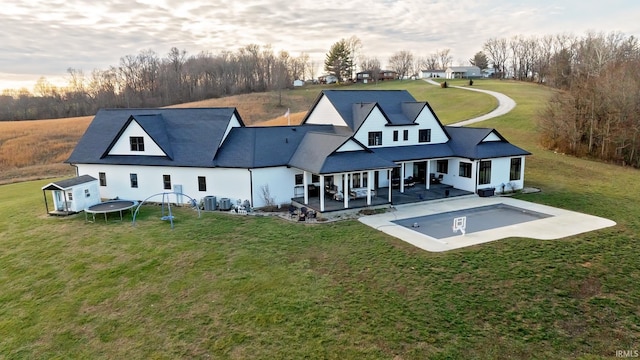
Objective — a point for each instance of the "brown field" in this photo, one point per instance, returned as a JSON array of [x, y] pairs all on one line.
[[36, 149]]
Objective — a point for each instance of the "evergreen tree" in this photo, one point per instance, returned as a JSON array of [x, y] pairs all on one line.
[[480, 60], [338, 61]]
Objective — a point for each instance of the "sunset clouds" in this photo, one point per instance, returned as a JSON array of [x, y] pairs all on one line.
[[44, 38]]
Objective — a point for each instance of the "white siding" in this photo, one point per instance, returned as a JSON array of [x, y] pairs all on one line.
[[122, 146], [281, 183], [221, 182], [500, 171], [234, 122], [350, 146], [325, 113], [427, 120], [375, 122], [81, 199], [492, 137], [453, 177]]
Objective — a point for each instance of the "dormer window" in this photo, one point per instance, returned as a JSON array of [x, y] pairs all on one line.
[[375, 138], [137, 143], [424, 135]]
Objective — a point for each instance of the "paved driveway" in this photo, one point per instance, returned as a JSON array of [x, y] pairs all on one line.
[[505, 104]]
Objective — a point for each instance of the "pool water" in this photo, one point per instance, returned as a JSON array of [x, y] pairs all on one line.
[[440, 226]]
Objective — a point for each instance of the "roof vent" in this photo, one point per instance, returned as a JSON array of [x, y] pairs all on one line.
[[286, 140]]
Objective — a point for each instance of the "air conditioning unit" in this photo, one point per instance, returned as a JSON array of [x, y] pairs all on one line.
[[210, 203]]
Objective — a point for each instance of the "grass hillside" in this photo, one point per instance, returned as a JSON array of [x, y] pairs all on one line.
[[232, 287], [36, 149]]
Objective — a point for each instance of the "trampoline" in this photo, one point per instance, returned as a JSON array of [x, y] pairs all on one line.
[[109, 207]]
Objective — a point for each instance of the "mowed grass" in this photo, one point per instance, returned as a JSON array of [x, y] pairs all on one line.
[[233, 287]]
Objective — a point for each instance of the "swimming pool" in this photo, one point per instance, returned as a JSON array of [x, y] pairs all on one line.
[[440, 226]]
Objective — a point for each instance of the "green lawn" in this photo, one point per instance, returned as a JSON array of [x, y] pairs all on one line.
[[231, 287]]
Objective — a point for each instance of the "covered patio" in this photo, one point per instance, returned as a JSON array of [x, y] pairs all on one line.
[[410, 195]]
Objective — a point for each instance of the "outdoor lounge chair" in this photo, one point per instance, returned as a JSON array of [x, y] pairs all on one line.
[[293, 211], [303, 214]]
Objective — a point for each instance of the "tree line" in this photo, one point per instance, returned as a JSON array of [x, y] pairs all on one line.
[[148, 80], [596, 110]]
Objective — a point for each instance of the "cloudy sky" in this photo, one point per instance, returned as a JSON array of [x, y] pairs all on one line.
[[44, 38]]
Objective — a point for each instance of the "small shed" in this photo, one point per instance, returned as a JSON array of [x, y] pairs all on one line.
[[73, 195], [298, 83]]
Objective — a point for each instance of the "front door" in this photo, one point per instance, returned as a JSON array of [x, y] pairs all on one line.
[[420, 171]]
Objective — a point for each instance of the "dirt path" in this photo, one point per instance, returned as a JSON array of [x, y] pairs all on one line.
[[505, 104]]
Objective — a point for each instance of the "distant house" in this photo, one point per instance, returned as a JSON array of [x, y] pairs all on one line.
[[368, 76], [433, 73], [462, 72], [327, 79], [298, 83], [71, 195], [354, 148], [488, 72]]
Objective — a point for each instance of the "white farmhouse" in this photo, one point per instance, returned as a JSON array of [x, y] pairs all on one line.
[[355, 148]]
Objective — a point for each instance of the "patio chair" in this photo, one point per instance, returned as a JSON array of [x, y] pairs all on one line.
[[293, 211], [409, 182], [303, 214]]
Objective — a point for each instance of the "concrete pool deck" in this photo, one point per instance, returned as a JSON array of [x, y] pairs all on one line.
[[561, 224]]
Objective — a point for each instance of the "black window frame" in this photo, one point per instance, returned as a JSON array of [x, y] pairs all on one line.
[[515, 170], [102, 177], [395, 135], [166, 182], [442, 166], [375, 138], [136, 143], [424, 135], [465, 169], [202, 183], [405, 135], [133, 180], [484, 172], [299, 179]]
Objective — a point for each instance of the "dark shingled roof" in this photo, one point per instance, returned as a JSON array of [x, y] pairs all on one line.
[[316, 153], [390, 101], [67, 183], [467, 143], [415, 152], [193, 138], [189, 136], [256, 147]]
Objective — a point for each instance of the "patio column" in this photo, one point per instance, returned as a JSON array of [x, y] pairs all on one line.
[[402, 177], [428, 175], [345, 190], [321, 193], [305, 183], [389, 178], [369, 181]]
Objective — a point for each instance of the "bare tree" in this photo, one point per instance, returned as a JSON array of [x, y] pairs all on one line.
[[497, 52], [401, 62], [444, 58], [432, 62], [371, 65]]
